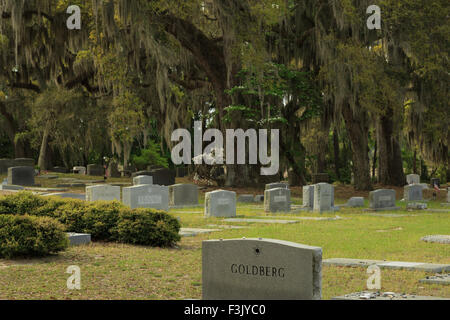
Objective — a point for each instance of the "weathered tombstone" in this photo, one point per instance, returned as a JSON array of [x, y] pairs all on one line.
[[220, 203], [21, 176], [355, 202], [277, 185], [113, 171], [257, 269], [60, 170], [435, 182], [308, 196], [382, 199], [142, 180], [146, 196], [246, 198], [163, 177], [413, 192], [102, 193], [277, 200], [183, 195], [79, 170], [323, 197], [413, 179], [320, 178], [95, 170], [77, 239], [259, 198]]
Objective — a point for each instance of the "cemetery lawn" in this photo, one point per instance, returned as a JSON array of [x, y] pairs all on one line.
[[118, 271]]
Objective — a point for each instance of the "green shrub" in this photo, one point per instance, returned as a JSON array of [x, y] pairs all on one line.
[[23, 235], [70, 214], [147, 227], [101, 218], [21, 203]]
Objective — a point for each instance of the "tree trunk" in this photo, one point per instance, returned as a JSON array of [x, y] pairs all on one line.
[[358, 132], [42, 163], [390, 156], [374, 163], [336, 154]]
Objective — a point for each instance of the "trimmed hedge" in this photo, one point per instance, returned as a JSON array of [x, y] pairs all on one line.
[[30, 236], [105, 221]]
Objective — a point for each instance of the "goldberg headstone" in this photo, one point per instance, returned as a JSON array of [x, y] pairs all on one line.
[[277, 185], [21, 176], [220, 203], [146, 196], [413, 179], [382, 199], [308, 196], [323, 197], [277, 200], [413, 193], [257, 269], [102, 193], [183, 195], [142, 180]]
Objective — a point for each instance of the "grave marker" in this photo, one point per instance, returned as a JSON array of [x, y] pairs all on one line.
[[102, 193], [277, 200], [183, 195], [21, 176], [382, 199], [220, 203], [146, 196], [257, 269], [413, 193]]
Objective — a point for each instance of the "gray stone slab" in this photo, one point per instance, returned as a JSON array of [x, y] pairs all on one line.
[[76, 239], [79, 170], [413, 193], [382, 199], [6, 187], [443, 279], [181, 195], [146, 196], [416, 206], [308, 196], [323, 197], [277, 200], [220, 203], [260, 269], [102, 193], [142, 180], [443, 239], [77, 196], [48, 177], [269, 221], [245, 198], [192, 232], [355, 202], [226, 226], [368, 295], [21, 176], [412, 179], [415, 266], [277, 185]]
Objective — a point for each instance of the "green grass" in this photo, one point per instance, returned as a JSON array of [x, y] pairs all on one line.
[[116, 271]]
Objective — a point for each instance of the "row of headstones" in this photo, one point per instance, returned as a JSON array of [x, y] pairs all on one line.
[[414, 179]]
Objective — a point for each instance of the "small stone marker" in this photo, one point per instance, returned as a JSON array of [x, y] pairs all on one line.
[[142, 180], [76, 239], [146, 196], [183, 195], [416, 206], [220, 203], [323, 197], [413, 193], [277, 185], [308, 197], [368, 295], [246, 198], [95, 170], [259, 198], [260, 269], [437, 279], [277, 200], [79, 170], [102, 193], [21, 176], [413, 179], [355, 202], [382, 199], [443, 239]]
